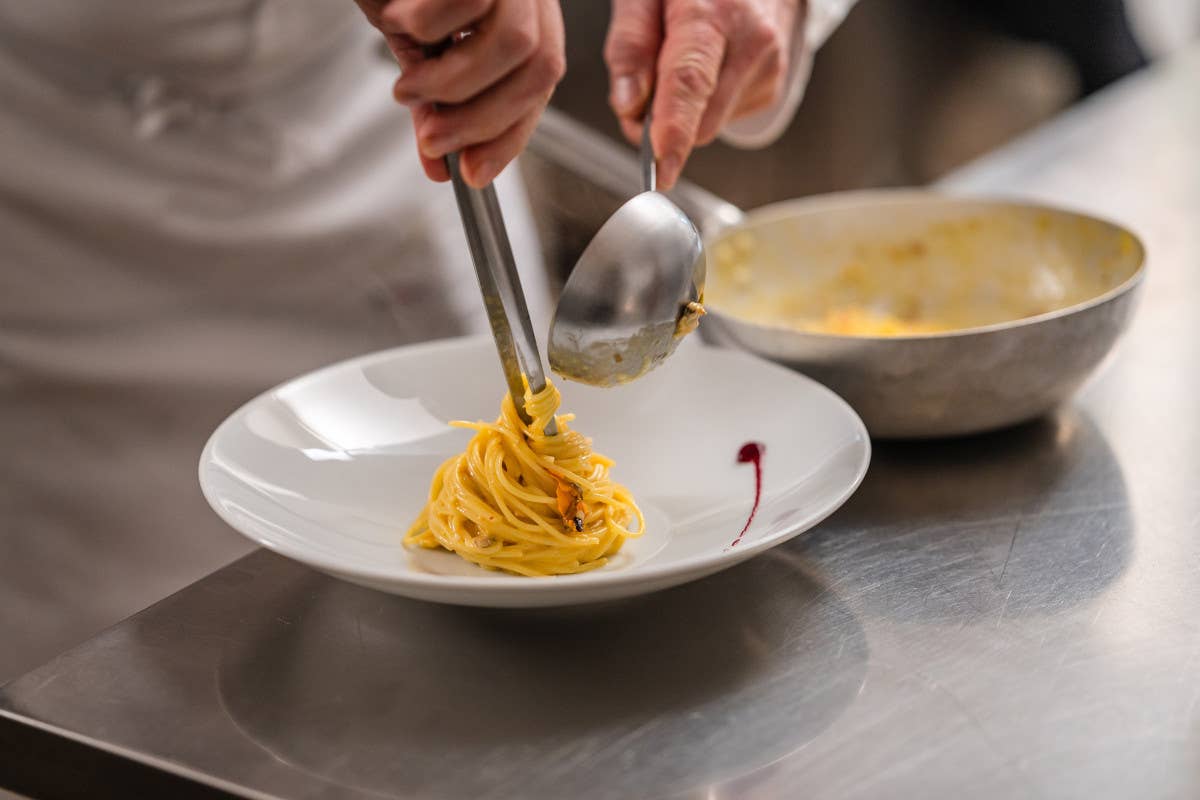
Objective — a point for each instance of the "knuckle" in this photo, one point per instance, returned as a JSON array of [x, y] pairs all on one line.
[[627, 46], [694, 77], [421, 30], [552, 65], [676, 133], [762, 37], [392, 17], [429, 20], [700, 10], [445, 14], [729, 9], [519, 40], [372, 12], [420, 19], [614, 53]]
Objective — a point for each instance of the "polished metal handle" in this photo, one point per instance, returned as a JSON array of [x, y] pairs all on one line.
[[598, 159], [649, 177], [500, 284], [499, 281]]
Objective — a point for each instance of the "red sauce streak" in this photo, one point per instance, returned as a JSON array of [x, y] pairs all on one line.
[[752, 453]]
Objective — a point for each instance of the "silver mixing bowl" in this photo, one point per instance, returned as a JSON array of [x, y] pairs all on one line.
[[1009, 368], [961, 381]]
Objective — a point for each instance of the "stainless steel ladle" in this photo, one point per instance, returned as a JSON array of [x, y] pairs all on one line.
[[619, 313]]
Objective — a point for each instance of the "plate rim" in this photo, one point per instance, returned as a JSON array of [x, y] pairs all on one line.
[[489, 581]]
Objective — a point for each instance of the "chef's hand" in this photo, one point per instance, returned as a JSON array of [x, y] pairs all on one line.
[[490, 88], [707, 62]]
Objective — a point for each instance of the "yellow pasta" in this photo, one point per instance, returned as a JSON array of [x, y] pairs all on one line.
[[520, 501]]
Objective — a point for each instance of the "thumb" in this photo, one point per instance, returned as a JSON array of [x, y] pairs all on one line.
[[631, 53]]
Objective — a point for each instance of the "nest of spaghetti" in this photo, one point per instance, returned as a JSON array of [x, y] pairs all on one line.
[[523, 502]]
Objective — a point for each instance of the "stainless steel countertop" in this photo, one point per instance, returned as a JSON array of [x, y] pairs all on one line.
[[1016, 615]]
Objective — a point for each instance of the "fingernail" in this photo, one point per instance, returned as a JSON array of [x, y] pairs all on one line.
[[439, 145], [485, 173], [669, 169], [626, 94]]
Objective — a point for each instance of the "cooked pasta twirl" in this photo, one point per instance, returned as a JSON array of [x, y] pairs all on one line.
[[521, 501]]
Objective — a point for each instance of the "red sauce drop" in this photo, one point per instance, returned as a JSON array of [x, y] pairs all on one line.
[[751, 453]]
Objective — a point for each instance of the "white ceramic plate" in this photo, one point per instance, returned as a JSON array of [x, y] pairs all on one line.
[[330, 468]]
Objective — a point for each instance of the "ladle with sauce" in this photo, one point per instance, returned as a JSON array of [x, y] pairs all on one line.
[[635, 291]]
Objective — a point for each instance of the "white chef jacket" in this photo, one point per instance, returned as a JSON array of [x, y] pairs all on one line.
[[198, 199]]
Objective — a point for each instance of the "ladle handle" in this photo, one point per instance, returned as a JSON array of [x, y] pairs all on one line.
[[569, 144], [649, 180]]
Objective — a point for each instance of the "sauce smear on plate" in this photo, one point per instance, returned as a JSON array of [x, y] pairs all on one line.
[[751, 453]]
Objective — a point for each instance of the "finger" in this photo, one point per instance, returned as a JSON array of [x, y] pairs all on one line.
[[481, 163], [430, 21], [405, 49], [631, 53], [632, 129], [762, 92], [435, 168], [688, 70], [490, 114], [754, 58], [506, 38], [733, 80], [371, 9], [768, 75]]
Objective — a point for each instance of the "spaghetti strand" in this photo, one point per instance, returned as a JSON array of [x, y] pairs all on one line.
[[520, 501]]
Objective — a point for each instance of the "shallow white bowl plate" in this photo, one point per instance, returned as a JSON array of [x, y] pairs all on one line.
[[330, 469]]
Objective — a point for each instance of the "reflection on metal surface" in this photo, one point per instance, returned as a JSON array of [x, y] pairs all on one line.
[[1023, 522], [988, 573], [641, 698], [618, 311]]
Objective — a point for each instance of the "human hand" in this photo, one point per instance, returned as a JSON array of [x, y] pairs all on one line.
[[706, 61], [483, 96]]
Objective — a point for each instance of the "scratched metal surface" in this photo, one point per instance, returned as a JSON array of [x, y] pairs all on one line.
[[1010, 616]]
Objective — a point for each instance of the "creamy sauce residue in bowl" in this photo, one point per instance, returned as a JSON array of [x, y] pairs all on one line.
[[898, 276]]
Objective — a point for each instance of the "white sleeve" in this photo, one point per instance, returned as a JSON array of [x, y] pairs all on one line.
[[764, 127]]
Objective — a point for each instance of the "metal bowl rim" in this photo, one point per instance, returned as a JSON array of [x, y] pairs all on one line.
[[826, 202]]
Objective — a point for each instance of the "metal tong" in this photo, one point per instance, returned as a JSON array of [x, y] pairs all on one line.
[[499, 281], [500, 284]]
